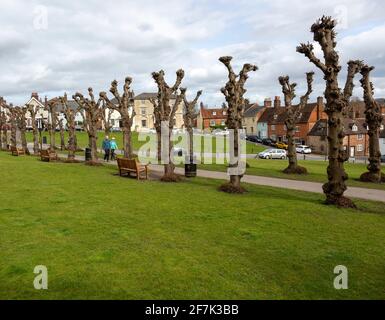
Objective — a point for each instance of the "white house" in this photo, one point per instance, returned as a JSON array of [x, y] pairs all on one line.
[[41, 113]]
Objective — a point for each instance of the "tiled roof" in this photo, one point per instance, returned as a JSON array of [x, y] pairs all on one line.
[[217, 113], [149, 95], [253, 111], [320, 128]]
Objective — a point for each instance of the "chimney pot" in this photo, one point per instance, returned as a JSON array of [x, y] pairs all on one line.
[[277, 102]]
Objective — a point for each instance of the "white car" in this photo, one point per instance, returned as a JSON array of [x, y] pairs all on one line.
[[219, 132], [273, 154], [303, 149]]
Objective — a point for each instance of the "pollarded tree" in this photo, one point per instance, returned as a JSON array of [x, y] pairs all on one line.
[[21, 123], [292, 117], [12, 119], [125, 106], [51, 107], [234, 92], [164, 114], [35, 131], [374, 120], [337, 101], [189, 117], [3, 131], [62, 133], [93, 114], [70, 114]]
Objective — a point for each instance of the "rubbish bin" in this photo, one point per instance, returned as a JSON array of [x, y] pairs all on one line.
[[88, 154], [44, 140], [190, 168]]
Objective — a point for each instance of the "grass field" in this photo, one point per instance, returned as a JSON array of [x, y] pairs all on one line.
[[83, 141], [102, 236]]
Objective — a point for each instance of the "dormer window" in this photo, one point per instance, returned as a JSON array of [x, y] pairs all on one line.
[[300, 115], [224, 113], [354, 128], [214, 113], [275, 116], [382, 127]]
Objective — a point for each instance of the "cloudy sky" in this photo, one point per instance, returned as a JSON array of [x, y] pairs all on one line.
[[55, 46]]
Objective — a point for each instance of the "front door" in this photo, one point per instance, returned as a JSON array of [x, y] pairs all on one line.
[[352, 152]]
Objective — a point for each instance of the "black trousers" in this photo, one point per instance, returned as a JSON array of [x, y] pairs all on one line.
[[107, 154], [112, 154]]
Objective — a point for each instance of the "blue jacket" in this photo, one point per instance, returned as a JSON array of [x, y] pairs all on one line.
[[113, 145], [106, 144]]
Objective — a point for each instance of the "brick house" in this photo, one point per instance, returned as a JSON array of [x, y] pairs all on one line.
[[356, 139], [209, 119], [276, 116]]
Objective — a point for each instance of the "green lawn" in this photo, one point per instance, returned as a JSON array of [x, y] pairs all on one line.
[[102, 236], [83, 141], [316, 170]]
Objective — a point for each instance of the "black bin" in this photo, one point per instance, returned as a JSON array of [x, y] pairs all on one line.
[[88, 154]]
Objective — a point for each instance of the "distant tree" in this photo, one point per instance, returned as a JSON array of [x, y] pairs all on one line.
[[125, 106], [374, 121], [70, 114], [164, 114], [189, 117], [51, 106], [292, 117], [234, 92], [21, 123], [3, 130], [92, 115], [35, 131], [337, 101]]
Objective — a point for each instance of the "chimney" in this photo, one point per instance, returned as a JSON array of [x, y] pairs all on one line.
[[277, 102], [35, 95], [267, 103], [320, 107]]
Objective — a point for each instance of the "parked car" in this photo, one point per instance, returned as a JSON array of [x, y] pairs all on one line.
[[269, 142], [273, 154], [383, 158], [281, 145], [303, 149], [254, 139], [219, 132]]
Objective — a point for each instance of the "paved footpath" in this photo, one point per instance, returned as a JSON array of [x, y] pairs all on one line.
[[353, 192]]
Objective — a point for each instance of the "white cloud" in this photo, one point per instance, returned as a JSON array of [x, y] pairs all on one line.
[[90, 43]]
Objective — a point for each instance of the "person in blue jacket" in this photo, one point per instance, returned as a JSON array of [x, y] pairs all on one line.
[[106, 146], [113, 148]]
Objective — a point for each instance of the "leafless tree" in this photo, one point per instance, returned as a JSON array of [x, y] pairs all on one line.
[[125, 106], [51, 107], [70, 114], [189, 117], [21, 123], [374, 121], [337, 101], [35, 131], [164, 114], [92, 115], [3, 130], [11, 114], [292, 117], [234, 91], [62, 133]]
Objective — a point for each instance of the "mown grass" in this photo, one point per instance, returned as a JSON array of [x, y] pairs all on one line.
[[218, 144], [316, 171], [102, 236]]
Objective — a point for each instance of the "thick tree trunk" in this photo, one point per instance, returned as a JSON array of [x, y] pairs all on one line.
[[13, 134], [128, 152], [24, 143], [293, 167], [191, 144], [62, 140], [35, 133], [159, 143], [94, 146], [374, 175], [71, 144], [4, 138], [52, 140]]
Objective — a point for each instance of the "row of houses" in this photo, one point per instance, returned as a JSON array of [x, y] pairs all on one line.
[[264, 121], [268, 121]]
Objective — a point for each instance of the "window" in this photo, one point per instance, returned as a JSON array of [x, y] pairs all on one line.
[[224, 113], [143, 101], [382, 127], [360, 148], [273, 127], [296, 129], [251, 129], [223, 122], [360, 136], [143, 111], [275, 116], [144, 123], [354, 128], [214, 113], [212, 123]]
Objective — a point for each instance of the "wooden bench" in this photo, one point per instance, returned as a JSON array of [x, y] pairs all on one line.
[[48, 155], [132, 166], [17, 151]]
